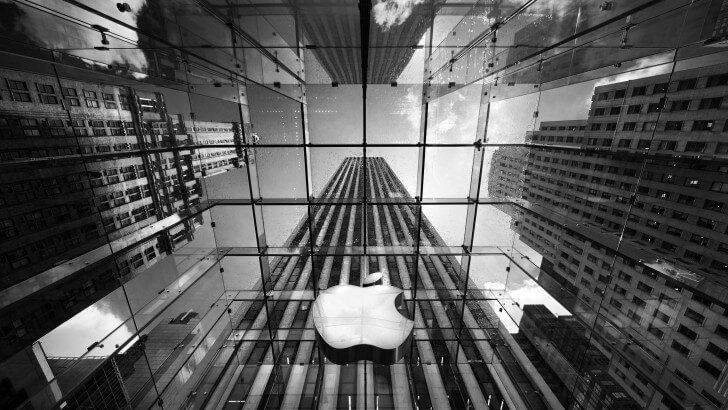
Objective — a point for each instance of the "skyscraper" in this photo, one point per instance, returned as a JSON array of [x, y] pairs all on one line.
[[333, 36], [653, 254], [59, 211], [448, 365]]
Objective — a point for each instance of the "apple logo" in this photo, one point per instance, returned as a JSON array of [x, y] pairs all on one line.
[[362, 323]]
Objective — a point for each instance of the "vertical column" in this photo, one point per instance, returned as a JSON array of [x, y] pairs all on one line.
[[400, 380], [335, 237], [375, 176], [346, 263]]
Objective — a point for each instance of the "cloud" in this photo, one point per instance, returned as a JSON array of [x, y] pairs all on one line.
[[106, 321], [531, 293], [444, 126], [412, 107], [644, 67], [494, 285], [52, 32], [390, 13]]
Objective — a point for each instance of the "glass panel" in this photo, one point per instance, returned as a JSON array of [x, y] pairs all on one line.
[[394, 113], [337, 172], [335, 114], [447, 172], [275, 118], [280, 172]]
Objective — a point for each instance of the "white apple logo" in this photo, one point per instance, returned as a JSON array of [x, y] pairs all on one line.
[[362, 323]]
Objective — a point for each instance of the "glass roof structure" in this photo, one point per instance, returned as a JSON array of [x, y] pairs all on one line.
[[545, 180]]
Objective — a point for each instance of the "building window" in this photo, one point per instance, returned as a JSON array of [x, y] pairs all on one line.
[[72, 96], [629, 126], [673, 126], [685, 199], [137, 261], [721, 331], [615, 303], [18, 90], [680, 216], [652, 224], [648, 126], [693, 256], [634, 109], [610, 126], [668, 145], [47, 94], [596, 126], [615, 110], [706, 223], [695, 146], [703, 125], [678, 347], [109, 101], [662, 316], [688, 84], [710, 103], [619, 93], [697, 317], [719, 187], [637, 91], [717, 80], [699, 239], [150, 253], [91, 99], [656, 332], [717, 351], [709, 368], [685, 331], [717, 403], [124, 101], [713, 205], [660, 88], [680, 105], [654, 107], [644, 288]]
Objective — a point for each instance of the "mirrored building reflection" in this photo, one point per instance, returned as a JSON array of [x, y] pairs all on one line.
[[545, 181]]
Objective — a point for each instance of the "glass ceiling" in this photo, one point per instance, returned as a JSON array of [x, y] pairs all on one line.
[[545, 180]]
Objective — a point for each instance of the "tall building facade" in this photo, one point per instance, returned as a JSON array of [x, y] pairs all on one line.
[[563, 343], [628, 210], [85, 164], [332, 34], [460, 356]]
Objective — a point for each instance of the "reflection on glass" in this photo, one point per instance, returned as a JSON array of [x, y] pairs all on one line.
[[545, 181]]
